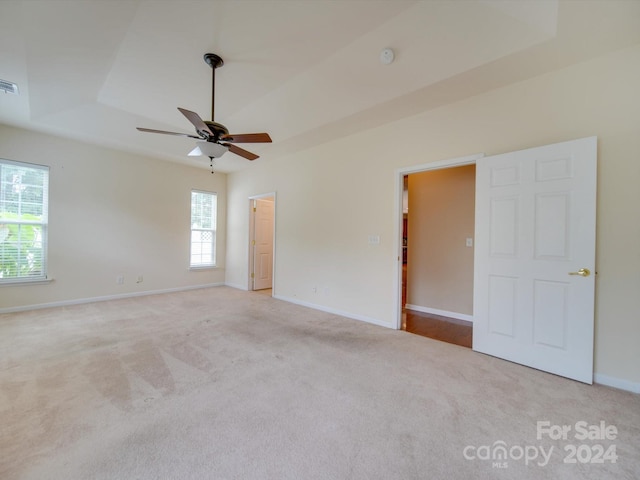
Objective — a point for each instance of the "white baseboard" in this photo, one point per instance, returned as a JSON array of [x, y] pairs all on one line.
[[614, 382], [80, 301], [334, 311], [442, 313]]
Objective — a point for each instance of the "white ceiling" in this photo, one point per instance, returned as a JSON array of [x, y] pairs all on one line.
[[306, 71]]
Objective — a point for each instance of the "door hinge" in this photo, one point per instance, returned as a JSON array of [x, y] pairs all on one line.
[[252, 275], [253, 242], [254, 209]]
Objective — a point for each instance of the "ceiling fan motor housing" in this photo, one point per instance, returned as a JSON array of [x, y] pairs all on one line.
[[218, 130]]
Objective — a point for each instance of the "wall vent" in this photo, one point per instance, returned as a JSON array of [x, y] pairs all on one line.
[[8, 87]]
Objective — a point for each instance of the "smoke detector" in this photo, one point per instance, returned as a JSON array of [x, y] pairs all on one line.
[[387, 56]]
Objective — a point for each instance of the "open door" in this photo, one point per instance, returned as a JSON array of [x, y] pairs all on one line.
[[534, 272], [262, 243]]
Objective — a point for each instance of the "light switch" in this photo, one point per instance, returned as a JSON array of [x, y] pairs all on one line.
[[374, 239], [469, 242]]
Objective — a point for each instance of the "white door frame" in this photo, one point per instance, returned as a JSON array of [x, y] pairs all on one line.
[[252, 237], [400, 173]]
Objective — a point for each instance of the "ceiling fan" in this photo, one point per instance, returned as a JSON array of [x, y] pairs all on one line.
[[214, 140]]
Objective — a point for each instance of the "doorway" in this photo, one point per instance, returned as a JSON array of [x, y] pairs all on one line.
[[534, 252], [262, 210], [438, 216], [400, 195]]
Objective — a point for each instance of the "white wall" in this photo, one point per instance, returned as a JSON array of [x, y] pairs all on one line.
[[332, 197], [111, 214]]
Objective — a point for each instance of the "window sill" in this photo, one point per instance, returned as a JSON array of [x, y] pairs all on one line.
[[204, 267], [25, 282]]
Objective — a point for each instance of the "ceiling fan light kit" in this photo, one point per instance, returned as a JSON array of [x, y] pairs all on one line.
[[212, 136], [208, 149]]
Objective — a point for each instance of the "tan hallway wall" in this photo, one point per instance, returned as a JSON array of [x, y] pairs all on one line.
[[441, 218]]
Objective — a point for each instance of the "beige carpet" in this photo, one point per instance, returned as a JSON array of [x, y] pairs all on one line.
[[225, 384]]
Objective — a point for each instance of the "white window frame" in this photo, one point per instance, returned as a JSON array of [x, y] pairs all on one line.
[[13, 224], [196, 244]]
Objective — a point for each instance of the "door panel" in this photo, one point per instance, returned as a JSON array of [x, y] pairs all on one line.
[[535, 225], [502, 306], [263, 248]]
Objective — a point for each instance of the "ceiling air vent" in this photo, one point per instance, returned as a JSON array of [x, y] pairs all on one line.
[[8, 87]]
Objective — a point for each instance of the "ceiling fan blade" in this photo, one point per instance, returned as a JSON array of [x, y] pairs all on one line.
[[164, 132], [247, 138], [195, 119], [240, 151]]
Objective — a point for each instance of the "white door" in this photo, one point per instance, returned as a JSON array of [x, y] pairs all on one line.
[[535, 257], [263, 247]]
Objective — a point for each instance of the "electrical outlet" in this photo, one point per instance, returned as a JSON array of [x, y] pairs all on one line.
[[120, 279], [140, 279], [374, 239]]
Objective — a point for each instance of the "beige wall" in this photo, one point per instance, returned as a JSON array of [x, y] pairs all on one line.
[[111, 214], [440, 219], [330, 198]]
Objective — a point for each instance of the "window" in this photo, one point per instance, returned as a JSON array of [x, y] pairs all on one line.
[[24, 192], [204, 206]]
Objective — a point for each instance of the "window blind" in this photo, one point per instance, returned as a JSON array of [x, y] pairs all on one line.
[[24, 195], [204, 206]]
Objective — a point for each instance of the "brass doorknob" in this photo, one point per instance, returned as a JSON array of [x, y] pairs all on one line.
[[583, 272]]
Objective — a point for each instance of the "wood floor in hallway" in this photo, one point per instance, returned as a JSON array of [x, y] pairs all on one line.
[[450, 330]]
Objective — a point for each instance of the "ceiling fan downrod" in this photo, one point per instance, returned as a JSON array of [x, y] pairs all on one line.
[[214, 61]]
